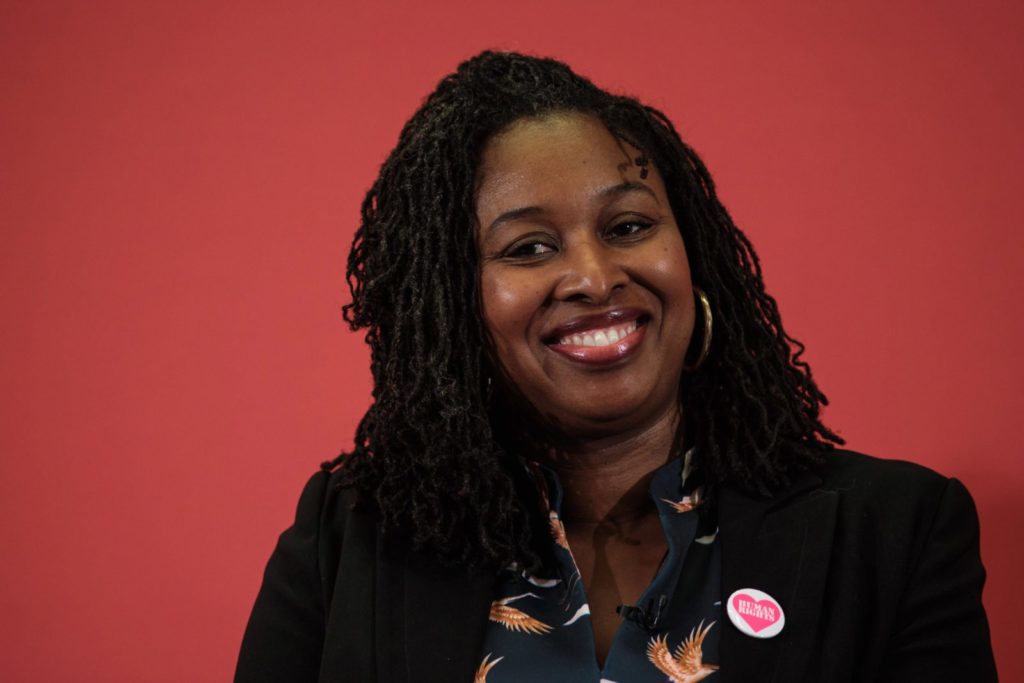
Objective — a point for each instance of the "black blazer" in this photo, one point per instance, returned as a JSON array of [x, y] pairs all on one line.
[[875, 562]]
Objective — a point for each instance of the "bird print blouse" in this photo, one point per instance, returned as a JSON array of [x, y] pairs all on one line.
[[540, 630]]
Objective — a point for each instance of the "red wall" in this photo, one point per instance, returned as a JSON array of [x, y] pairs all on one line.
[[179, 183]]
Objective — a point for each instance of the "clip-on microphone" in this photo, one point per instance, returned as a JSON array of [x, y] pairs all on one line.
[[645, 618]]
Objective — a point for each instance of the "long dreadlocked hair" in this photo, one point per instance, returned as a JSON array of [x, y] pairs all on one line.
[[427, 455]]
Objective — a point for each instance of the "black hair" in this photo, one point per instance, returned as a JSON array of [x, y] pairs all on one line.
[[427, 455]]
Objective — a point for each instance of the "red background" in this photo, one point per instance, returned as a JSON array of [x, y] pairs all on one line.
[[179, 184]]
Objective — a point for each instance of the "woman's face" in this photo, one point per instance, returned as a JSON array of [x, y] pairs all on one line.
[[585, 283]]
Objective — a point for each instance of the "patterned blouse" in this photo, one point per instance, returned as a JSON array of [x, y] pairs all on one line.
[[540, 627]]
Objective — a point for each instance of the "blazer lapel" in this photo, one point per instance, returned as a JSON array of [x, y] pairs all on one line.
[[780, 546], [431, 623]]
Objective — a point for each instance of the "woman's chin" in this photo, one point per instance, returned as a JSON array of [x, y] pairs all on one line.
[[600, 421]]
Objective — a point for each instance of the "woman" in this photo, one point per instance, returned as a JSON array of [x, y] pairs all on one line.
[[593, 453]]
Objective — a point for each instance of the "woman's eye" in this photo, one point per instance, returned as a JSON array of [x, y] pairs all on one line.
[[528, 250], [631, 228]]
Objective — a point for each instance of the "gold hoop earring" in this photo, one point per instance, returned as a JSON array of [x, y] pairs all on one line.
[[705, 344]]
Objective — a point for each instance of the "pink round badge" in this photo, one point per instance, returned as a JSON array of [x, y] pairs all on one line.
[[755, 613]]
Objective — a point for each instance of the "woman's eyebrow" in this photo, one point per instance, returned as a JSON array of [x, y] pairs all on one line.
[[515, 214], [610, 192], [625, 188]]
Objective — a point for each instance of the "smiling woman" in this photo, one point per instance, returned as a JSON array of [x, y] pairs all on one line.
[[585, 284], [593, 452]]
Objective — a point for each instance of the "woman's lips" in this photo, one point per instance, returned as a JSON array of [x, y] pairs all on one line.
[[601, 346]]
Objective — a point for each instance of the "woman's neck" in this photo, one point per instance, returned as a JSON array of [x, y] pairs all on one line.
[[606, 480]]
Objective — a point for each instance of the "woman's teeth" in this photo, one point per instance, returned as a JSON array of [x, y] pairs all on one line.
[[602, 337]]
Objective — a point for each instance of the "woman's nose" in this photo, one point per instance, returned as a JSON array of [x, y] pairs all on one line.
[[591, 273]]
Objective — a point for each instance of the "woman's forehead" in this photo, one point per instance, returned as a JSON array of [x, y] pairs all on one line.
[[535, 135], [534, 153]]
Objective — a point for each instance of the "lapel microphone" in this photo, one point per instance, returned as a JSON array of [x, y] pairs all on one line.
[[647, 618]]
